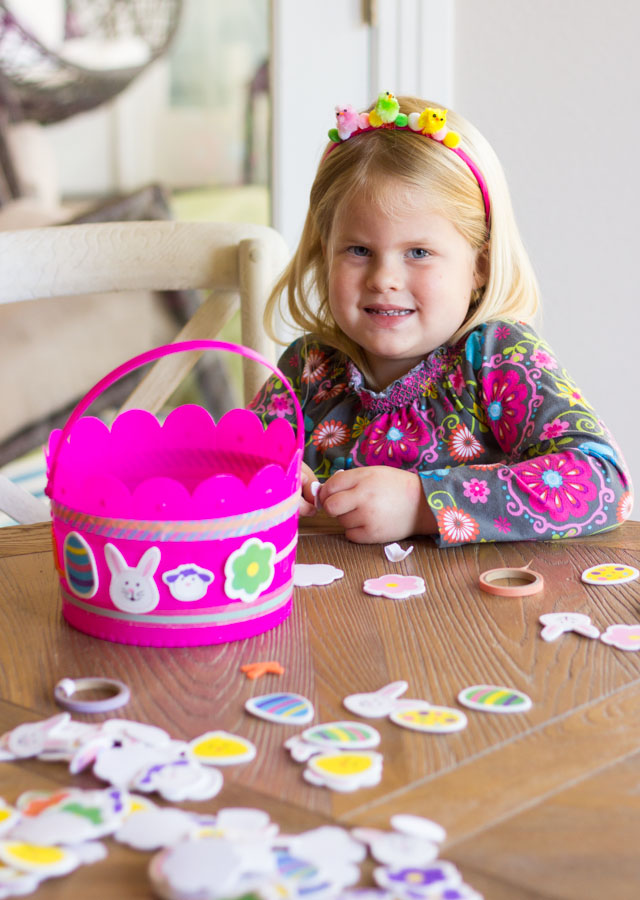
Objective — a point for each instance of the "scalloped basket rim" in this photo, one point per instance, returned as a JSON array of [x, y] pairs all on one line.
[[170, 424], [287, 483], [95, 436]]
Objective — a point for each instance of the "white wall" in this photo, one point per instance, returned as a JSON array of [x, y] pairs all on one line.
[[344, 60], [555, 87]]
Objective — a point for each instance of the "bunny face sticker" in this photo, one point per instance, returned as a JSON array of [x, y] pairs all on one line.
[[133, 590]]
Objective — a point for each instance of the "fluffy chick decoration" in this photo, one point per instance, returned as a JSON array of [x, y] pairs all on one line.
[[387, 112], [348, 121], [434, 123]]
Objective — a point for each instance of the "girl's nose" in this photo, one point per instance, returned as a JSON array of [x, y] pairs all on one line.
[[384, 275]]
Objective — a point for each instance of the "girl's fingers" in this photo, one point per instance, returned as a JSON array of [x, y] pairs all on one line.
[[339, 503], [359, 535], [307, 493], [351, 519], [305, 508]]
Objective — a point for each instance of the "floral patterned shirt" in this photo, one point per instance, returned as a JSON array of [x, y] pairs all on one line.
[[505, 444]]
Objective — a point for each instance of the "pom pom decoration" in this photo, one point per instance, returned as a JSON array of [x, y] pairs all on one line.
[[387, 112], [433, 122], [348, 121]]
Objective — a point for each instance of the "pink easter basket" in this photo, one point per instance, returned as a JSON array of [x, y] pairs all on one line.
[[175, 534]]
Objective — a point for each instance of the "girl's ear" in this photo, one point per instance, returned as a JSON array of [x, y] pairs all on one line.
[[481, 273]]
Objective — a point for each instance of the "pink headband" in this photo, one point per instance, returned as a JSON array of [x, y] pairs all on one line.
[[431, 123]]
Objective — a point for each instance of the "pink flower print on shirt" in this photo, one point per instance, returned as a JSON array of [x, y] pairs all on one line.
[[280, 405], [457, 380], [394, 439], [553, 429], [504, 397], [315, 367], [330, 434], [502, 332], [502, 524], [463, 446], [543, 359], [477, 491], [558, 485], [456, 526]]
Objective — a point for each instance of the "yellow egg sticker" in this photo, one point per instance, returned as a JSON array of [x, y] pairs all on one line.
[[343, 765], [431, 719], [37, 857], [610, 573], [346, 770], [219, 748], [8, 817]]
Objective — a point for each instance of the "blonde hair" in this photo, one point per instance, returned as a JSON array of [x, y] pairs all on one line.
[[372, 165]]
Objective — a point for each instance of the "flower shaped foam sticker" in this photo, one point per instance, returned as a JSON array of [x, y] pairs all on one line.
[[249, 570]]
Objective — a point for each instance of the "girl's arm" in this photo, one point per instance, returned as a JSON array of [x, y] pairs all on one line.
[[561, 474]]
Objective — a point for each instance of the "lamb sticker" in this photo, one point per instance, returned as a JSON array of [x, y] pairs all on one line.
[[188, 582]]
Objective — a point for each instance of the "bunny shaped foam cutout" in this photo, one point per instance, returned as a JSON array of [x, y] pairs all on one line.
[[376, 704], [133, 590]]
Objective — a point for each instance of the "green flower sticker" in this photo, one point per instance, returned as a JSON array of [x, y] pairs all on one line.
[[249, 570]]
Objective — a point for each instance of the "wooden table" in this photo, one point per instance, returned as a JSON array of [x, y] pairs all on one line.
[[544, 804]]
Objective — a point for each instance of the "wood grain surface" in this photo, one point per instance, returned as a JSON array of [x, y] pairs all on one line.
[[511, 790]]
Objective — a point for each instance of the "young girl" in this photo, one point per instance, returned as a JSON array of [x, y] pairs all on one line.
[[431, 405]]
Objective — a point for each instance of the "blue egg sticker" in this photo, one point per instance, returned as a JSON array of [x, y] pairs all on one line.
[[80, 566]]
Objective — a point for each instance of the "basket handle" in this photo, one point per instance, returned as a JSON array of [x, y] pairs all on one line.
[[158, 353]]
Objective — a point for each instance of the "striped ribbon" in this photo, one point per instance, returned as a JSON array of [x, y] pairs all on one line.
[[220, 615]]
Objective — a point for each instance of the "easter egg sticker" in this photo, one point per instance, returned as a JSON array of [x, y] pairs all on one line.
[[282, 707], [610, 574], [79, 566], [342, 735], [428, 718], [46, 860], [8, 817], [346, 770], [494, 699], [219, 748]]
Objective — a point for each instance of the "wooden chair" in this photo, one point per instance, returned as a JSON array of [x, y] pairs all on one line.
[[236, 263]]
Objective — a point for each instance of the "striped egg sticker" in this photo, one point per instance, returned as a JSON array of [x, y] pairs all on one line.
[[281, 707], [428, 718], [493, 698], [80, 566], [342, 735]]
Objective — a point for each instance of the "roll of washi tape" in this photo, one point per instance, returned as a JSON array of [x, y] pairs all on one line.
[[66, 689], [534, 582]]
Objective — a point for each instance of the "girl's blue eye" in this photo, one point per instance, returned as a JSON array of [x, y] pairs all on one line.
[[359, 251], [418, 253]]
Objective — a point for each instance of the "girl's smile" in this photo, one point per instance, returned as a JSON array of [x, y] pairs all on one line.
[[384, 316], [400, 282]]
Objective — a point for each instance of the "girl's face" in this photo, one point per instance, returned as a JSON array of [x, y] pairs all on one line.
[[400, 282]]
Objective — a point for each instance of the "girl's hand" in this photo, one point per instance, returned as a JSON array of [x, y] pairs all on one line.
[[307, 506], [376, 504]]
